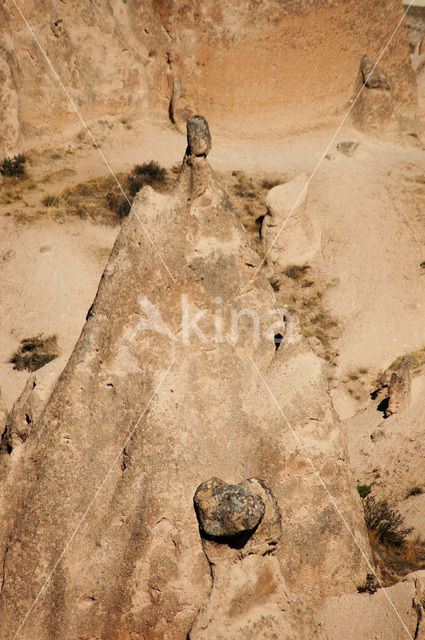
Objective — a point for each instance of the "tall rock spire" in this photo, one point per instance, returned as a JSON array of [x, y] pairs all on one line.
[[161, 392]]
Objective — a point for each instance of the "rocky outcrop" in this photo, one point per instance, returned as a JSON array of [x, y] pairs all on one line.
[[173, 380], [374, 108], [249, 598], [360, 616], [161, 59], [290, 234], [29, 406], [399, 387]]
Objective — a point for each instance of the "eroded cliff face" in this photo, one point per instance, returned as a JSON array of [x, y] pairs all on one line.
[[195, 409], [257, 69]]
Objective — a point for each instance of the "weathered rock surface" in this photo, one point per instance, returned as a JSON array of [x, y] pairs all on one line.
[[399, 387], [389, 453], [360, 616], [161, 59], [149, 405], [374, 108], [3, 414], [249, 598], [30, 404], [289, 233]]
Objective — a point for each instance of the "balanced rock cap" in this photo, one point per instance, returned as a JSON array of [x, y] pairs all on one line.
[[373, 77], [198, 136], [227, 509]]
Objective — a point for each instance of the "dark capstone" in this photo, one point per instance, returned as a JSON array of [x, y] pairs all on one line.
[[225, 510], [376, 79], [198, 136]]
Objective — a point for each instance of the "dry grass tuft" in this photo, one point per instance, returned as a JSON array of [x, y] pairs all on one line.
[[34, 353], [102, 200]]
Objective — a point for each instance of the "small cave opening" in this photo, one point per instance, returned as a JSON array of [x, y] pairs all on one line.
[[278, 338], [383, 406]]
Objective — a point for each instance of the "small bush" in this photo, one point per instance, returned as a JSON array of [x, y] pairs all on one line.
[[150, 173], [51, 201], [414, 491], [386, 523], [34, 353], [364, 490], [270, 183], [13, 166], [370, 585], [118, 203], [296, 271]]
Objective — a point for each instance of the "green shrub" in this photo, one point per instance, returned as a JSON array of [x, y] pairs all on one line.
[[386, 523], [13, 166], [364, 490], [370, 585], [34, 353]]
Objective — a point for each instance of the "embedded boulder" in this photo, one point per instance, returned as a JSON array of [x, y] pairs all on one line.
[[249, 598], [226, 509]]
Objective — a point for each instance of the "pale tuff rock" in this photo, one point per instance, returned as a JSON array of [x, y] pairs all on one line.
[[3, 414], [220, 59], [179, 109], [249, 599], [136, 565], [399, 387], [289, 233], [360, 616], [394, 387], [9, 110], [30, 404]]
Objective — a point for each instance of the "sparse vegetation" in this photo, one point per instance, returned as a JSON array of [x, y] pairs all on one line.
[[13, 166], [51, 201], [34, 353], [364, 490], [102, 200], [414, 491], [296, 272], [370, 585], [384, 522]]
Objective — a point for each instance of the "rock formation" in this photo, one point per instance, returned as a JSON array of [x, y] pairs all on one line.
[[161, 58], [399, 387], [289, 233], [374, 108], [359, 616], [249, 598], [164, 389]]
